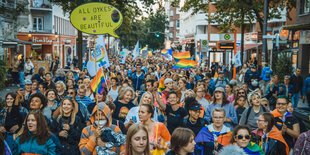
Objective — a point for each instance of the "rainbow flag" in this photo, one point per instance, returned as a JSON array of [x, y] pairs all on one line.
[[167, 53], [181, 55], [98, 83], [161, 85], [185, 64], [253, 149]]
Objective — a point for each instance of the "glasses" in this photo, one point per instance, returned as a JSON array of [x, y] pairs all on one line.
[[243, 136], [261, 120], [241, 92], [70, 93], [265, 105], [218, 117], [281, 103]]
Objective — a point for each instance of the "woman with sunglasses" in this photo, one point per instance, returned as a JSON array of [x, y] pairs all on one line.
[[241, 92], [68, 127], [241, 138], [268, 137]]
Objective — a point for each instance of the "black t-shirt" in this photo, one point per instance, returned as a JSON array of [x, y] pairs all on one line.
[[239, 111], [121, 110], [289, 122], [196, 127], [174, 118]]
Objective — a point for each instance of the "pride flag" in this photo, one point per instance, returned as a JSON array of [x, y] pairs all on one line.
[[181, 55], [161, 85], [185, 64], [253, 149], [98, 83], [167, 53]]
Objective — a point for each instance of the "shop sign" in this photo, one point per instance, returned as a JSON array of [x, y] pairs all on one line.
[[226, 45], [42, 40], [254, 36], [247, 36], [204, 46], [96, 18], [284, 35], [227, 37], [296, 35], [304, 37]]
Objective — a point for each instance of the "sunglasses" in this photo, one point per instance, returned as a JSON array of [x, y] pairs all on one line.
[[70, 93], [241, 92], [243, 136]]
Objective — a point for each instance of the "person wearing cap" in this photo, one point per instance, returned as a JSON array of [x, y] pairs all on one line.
[[193, 122], [168, 88], [285, 121], [137, 77], [220, 100], [252, 77], [221, 81], [213, 137]]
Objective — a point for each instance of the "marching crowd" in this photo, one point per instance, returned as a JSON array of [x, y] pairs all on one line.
[[148, 108]]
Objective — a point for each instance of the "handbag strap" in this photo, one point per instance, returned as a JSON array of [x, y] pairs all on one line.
[[156, 132], [305, 142]]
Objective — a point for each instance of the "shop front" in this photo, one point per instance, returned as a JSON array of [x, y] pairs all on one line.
[[46, 46]]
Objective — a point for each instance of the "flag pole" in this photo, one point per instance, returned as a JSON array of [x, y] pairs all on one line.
[[96, 91]]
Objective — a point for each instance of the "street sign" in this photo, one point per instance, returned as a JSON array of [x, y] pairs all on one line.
[[227, 37], [204, 45], [269, 36]]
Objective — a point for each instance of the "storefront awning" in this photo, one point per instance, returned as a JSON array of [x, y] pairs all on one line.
[[297, 27], [36, 46], [9, 44], [248, 46], [22, 42]]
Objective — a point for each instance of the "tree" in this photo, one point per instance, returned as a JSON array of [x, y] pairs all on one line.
[[283, 66], [128, 8]]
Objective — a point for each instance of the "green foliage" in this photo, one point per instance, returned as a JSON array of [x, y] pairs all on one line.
[[283, 66], [2, 103], [231, 12], [3, 72]]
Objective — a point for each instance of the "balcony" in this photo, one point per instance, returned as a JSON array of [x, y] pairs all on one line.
[[41, 5]]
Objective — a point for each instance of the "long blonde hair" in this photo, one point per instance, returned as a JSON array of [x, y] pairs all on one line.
[[146, 94], [73, 113]]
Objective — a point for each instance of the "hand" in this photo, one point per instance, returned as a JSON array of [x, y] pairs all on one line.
[[66, 127], [14, 128], [110, 98], [100, 143], [97, 133], [20, 92], [2, 129], [63, 133], [138, 93]]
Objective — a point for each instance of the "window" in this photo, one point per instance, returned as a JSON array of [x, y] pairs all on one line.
[[304, 6], [171, 24], [178, 23], [178, 11], [171, 12], [38, 23], [171, 35]]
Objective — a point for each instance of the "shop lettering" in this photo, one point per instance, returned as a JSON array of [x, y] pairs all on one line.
[[43, 40]]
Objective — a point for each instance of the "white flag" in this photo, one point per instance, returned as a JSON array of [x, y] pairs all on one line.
[[136, 52], [237, 59]]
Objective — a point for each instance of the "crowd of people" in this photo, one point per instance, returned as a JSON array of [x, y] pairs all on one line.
[[199, 111]]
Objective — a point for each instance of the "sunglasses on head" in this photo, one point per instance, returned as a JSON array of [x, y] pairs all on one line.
[[243, 136]]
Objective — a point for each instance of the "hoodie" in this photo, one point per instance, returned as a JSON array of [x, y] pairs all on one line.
[[86, 145]]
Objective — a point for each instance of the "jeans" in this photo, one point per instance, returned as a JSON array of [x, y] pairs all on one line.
[[295, 99], [21, 78]]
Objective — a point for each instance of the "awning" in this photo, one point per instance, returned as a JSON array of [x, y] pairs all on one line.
[[248, 46], [9, 44], [36, 46], [297, 27], [22, 41]]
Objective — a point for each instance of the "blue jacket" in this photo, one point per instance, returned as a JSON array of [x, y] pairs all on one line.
[[283, 92], [137, 81], [266, 74], [31, 146], [59, 78], [306, 87], [85, 100]]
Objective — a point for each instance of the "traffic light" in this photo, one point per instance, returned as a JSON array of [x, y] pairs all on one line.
[[157, 35]]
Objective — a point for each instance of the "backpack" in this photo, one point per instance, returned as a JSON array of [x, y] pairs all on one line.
[[248, 113], [268, 73]]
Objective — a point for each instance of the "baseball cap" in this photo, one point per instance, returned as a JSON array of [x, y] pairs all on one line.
[[28, 81], [220, 89], [168, 80], [195, 107]]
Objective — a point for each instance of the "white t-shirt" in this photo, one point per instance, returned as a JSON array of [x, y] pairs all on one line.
[[134, 112]]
